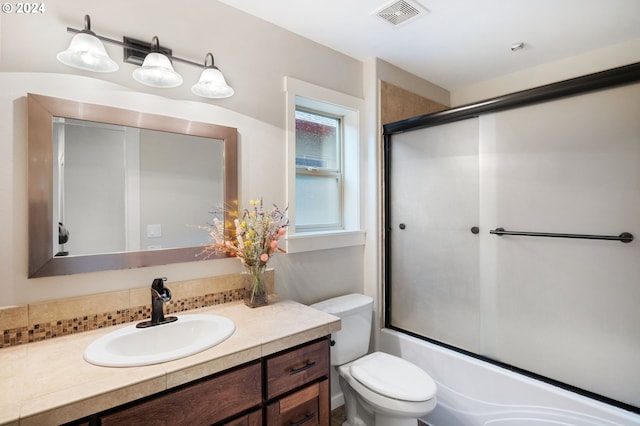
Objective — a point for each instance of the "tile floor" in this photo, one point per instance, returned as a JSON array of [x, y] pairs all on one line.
[[338, 416]]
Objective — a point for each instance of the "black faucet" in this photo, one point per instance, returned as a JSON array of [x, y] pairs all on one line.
[[159, 295]]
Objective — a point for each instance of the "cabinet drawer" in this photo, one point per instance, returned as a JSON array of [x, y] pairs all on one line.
[[306, 407], [203, 403], [297, 367]]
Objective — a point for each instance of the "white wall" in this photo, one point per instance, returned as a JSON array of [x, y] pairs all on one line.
[[93, 159], [575, 66], [181, 182]]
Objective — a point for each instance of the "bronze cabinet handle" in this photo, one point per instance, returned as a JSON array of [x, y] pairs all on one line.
[[307, 366], [306, 419]]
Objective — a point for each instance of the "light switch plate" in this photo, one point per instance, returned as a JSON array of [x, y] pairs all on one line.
[[154, 230]]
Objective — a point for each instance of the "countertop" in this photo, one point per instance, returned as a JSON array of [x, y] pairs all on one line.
[[49, 382]]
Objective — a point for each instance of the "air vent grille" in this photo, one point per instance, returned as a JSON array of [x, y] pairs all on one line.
[[400, 12]]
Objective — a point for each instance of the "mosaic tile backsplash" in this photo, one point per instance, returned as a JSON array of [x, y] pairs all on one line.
[[41, 321]]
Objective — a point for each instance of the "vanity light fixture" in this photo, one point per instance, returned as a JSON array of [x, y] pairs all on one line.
[[212, 83], [87, 52], [156, 70]]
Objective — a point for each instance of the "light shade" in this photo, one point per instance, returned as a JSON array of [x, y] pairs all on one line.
[[87, 52], [212, 84], [157, 71]]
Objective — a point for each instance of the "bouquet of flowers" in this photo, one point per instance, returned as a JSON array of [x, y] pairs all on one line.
[[257, 235]]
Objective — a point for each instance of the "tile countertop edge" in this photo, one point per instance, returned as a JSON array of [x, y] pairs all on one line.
[[71, 402], [9, 415]]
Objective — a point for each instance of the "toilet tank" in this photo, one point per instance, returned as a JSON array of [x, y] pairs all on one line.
[[355, 312]]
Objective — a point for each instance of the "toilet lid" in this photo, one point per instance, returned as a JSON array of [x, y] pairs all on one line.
[[393, 377]]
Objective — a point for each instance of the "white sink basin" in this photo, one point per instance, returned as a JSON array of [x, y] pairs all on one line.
[[131, 346]]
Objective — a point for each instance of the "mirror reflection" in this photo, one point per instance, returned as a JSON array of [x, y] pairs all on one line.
[[111, 188], [120, 188]]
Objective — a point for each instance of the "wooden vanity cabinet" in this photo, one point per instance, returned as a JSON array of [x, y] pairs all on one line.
[[287, 388], [297, 386], [252, 419], [308, 406], [295, 367], [204, 403]]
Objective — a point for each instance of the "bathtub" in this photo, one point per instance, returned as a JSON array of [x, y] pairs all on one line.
[[472, 392]]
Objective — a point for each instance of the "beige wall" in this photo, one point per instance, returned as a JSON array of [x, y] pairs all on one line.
[[253, 55], [261, 168]]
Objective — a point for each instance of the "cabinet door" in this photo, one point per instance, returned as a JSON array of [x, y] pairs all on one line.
[[297, 367], [307, 407], [251, 419], [201, 404]]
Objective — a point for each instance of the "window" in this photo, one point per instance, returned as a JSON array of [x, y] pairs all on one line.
[[324, 194], [318, 171]]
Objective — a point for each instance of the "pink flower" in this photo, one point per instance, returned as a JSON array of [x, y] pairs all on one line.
[[256, 234]]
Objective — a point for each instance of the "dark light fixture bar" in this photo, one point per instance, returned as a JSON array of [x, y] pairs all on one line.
[[625, 237], [132, 45]]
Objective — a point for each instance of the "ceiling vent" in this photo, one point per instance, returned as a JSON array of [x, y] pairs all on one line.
[[401, 12]]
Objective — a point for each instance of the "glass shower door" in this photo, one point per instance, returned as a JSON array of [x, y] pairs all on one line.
[[432, 229], [564, 310]]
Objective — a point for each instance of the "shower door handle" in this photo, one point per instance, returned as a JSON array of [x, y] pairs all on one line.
[[474, 229]]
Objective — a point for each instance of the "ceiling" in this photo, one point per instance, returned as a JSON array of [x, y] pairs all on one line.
[[457, 42]]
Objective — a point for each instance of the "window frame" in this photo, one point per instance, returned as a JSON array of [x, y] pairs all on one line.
[[306, 95], [326, 172]]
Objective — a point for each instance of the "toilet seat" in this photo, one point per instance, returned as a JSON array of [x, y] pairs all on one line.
[[393, 377], [382, 403]]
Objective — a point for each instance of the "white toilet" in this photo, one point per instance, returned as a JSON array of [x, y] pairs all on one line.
[[379, 389]]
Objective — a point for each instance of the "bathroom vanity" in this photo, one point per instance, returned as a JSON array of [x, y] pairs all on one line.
[[296, 392], [274, 370]]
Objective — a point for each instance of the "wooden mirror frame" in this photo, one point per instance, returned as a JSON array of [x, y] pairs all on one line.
[[41, 110]]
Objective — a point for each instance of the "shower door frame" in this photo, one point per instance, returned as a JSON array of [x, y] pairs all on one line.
[[620, 76]]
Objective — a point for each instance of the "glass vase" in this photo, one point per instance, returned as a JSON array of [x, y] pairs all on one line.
[[256, 290]]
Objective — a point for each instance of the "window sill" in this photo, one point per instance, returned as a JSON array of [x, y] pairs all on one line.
[[312, 241]]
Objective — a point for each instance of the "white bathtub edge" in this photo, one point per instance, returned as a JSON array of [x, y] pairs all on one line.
[[472, 392]]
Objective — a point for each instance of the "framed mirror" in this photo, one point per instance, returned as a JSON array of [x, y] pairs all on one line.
[[111, 188]]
